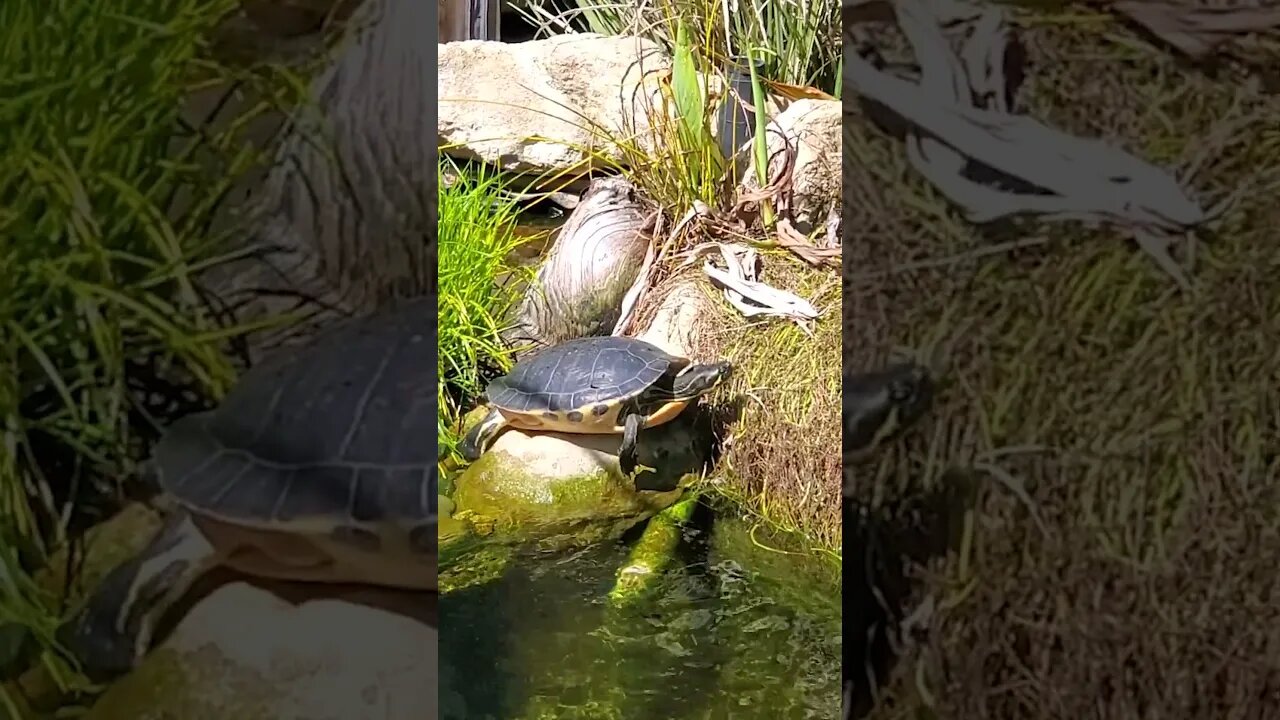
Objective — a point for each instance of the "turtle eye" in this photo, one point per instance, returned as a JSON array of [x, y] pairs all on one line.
[[901, 391]]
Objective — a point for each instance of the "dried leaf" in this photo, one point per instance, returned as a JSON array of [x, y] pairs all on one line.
[[799, 245], [797, 92]]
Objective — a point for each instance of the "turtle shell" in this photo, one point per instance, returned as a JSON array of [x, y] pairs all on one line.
[[582, 374], [340, 430]]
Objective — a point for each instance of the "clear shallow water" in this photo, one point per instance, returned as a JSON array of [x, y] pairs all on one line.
[[724, 637]]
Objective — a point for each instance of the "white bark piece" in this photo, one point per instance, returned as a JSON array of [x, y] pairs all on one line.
[[1077, 178]]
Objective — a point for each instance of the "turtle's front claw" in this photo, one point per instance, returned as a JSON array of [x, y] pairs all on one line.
[[636, 471]]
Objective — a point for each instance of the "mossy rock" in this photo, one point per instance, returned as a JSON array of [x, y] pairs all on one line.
[[244, 653], [501, 497], [108, 544], [484, 562], [105, 546], [563, 490]]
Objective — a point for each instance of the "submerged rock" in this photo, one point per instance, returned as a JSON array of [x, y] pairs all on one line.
[[652, 554]]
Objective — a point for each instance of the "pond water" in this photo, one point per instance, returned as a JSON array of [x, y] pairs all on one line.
[[734, 631]]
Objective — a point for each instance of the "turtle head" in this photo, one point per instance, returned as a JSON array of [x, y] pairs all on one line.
[[698, 380], [477, 440], [879, 404]]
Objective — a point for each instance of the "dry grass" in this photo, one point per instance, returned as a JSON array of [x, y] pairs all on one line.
[[784, 459], [781, 455], [1124, 567]]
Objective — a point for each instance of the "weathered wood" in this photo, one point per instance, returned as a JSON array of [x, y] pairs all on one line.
[[596, 258], [454, 22], [345, 222]]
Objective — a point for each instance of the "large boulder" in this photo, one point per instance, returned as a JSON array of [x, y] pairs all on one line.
[[245, 653], [811, 128], [563, 490], [543, 106]]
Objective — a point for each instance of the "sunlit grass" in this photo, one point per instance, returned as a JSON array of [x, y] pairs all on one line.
[[477, 237], [97, 258]]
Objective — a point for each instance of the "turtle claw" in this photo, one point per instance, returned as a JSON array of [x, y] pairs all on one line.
[[636, 471]]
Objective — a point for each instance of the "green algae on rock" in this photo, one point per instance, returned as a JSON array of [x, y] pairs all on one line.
[[653, 553], [481, 563], [502, 497], [563, 490], [791, 569]]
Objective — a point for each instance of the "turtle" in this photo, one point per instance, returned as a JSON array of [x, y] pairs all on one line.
[[876, 406], [880, 403], [317, 466], [594, 385]]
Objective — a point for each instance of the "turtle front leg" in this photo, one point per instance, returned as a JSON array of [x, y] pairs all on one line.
[[114, 629], [630, 439]]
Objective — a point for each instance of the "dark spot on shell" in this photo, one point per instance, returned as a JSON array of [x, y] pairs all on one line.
[[549, 415], [575, 416], [599, 410], [358, 538], [423, 539]]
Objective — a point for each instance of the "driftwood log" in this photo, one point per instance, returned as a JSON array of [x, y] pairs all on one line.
[[345, 220], [599, 253]]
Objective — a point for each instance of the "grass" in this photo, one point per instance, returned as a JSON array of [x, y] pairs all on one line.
[[797, 42], [476, 240], [1121, 523], [99, 304], [783, 465]]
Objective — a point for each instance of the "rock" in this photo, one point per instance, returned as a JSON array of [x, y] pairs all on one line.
[[812, 127], [676, 325], [477, 563], [244, 653], [533, 107], [256, 649], [105, 546], [565, 490]]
